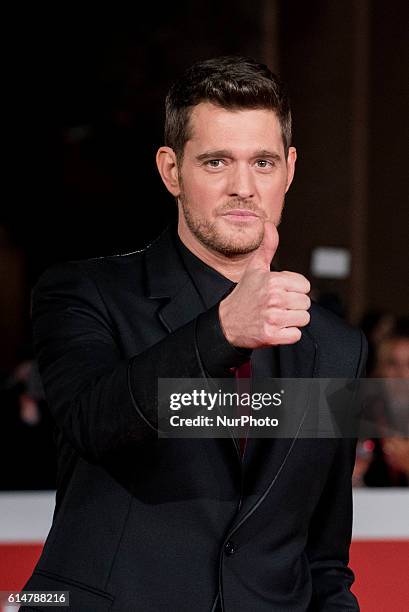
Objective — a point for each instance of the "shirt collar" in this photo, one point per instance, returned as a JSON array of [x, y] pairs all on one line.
[[210, 284]]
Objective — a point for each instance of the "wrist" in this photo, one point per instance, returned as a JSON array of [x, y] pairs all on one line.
[[224, 323]]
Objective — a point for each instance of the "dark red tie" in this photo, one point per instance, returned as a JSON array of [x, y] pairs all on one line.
[[243, 384]]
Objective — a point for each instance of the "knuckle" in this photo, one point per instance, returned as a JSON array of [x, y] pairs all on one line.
[[271, 316], [266, 329], [273, 280], [275, 299], [280, 317]]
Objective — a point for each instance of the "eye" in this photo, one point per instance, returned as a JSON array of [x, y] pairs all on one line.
[[214, 163], [264, 163]]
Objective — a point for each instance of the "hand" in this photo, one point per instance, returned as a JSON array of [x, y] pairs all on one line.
[[265, 308]]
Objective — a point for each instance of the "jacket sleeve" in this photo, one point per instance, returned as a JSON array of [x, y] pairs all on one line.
[[99, 400], [330, 529]]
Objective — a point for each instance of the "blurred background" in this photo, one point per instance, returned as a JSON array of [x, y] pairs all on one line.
[[89, 120]]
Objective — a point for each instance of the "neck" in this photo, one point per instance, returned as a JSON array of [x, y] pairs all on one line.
[[231, 267]]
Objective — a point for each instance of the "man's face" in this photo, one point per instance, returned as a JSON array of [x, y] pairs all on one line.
[[394, 359], [233, 177]]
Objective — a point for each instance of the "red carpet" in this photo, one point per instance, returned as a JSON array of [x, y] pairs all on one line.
[[381, 569], [16, 564]]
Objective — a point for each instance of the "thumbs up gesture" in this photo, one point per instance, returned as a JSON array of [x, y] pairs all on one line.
[[265, 308]]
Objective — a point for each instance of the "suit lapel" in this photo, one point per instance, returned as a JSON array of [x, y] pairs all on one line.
[[298, 360], [169, 282], [182, 308], [265, 457]]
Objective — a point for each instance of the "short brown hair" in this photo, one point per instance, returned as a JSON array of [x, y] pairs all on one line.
[[230, 82]]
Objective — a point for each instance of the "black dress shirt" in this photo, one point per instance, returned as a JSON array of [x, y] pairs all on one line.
[[217, 354]]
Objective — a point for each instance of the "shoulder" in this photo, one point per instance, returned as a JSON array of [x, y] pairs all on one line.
[[112, 269], [109, 269]]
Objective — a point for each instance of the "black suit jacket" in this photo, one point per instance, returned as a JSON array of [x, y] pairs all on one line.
[[158, 525]]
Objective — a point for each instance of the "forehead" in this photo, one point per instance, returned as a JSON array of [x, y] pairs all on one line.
[[212, 126], [398, 348]]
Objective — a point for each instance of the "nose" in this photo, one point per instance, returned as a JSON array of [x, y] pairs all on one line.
[[241, 184]]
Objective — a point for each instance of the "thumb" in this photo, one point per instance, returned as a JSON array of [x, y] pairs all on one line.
[[262, 257]]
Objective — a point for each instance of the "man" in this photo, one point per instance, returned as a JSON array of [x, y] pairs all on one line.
[[390, 461], [153, 524]]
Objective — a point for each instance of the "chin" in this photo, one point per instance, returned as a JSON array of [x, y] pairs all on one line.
[[244, 235], [237, 243]]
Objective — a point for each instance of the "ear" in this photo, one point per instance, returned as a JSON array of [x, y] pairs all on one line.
[[291, 159], [168, 169]]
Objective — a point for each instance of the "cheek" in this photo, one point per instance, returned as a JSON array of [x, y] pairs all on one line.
[[202, 192], [275, 185], [275, 192]]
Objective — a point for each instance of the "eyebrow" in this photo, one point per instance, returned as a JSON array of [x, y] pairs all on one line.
[[218, 153]]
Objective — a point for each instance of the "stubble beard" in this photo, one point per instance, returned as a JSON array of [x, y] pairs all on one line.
[[209, 235]]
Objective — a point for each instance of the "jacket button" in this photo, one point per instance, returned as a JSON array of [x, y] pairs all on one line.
[[229, 548]]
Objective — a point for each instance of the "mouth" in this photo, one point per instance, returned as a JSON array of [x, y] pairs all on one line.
[[240, 214]]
